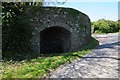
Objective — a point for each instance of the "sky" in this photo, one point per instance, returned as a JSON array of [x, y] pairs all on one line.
[[107, 9]]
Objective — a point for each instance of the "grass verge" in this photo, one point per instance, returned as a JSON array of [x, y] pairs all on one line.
[[41, 66]]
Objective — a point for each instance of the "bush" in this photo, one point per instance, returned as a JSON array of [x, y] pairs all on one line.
[[105, 26], [16, 31]]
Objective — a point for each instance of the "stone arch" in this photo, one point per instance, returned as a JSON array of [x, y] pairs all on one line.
[[36, 39], [55, 23]]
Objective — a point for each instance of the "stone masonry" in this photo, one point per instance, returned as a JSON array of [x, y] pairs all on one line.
[[57, 29]]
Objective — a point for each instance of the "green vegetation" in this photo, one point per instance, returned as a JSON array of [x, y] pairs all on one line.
[[72, 12], [41, 66], [16, 31], [106, 26]]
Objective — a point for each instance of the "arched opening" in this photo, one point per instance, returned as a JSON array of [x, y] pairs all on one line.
[[55, 40]]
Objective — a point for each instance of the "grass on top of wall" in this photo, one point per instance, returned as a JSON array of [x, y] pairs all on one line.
[[41, 66]]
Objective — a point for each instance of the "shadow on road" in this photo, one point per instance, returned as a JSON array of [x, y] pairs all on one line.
[[103, 57], [111, 46]]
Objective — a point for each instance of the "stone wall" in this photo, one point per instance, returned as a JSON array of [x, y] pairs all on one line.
[[58, 29]]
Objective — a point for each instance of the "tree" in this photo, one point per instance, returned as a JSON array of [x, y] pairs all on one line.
[[54, 2], [105, 26], [16, 31]]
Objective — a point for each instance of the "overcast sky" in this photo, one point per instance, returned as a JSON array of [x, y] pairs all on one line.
[[95, 9]]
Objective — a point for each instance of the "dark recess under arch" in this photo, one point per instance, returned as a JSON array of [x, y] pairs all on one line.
[[55, 40]]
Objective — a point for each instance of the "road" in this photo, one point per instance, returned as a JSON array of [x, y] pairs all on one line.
[[101, 62]]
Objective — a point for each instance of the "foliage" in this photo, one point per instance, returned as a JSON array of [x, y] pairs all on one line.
[[118, 24], [40, 67], [105, 26], [16, 31], [72, 12]]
